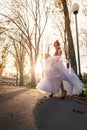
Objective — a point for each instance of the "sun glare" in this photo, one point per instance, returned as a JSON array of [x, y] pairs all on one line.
[[38, 68]]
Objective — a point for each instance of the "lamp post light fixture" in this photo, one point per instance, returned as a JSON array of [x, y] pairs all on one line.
[[75, 9]]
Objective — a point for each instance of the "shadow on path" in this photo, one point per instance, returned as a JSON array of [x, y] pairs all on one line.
[[56, 114], [8, 95]]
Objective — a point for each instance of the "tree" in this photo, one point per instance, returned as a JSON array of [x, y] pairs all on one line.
[[69, 36], [4, 48], [63, 5], [19, 56], [83, 29], [3, 57], [27, 16]]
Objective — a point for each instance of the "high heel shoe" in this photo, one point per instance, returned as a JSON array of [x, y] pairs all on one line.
[[51, 95], [64, 95]]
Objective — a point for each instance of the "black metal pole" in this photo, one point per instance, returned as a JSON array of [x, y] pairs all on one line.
[[78, 53]]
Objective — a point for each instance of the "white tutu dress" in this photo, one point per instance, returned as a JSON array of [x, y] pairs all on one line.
[[55, 71]]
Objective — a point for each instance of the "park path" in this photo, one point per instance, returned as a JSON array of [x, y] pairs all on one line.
[[28, 109]]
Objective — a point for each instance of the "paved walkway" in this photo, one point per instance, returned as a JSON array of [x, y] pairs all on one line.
[[28, 109]]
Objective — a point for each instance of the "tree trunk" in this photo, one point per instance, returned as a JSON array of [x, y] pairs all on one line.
[[33, 78], [69, 37], [21, 81]]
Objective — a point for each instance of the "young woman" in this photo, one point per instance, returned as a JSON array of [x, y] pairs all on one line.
[[56, 73], [58, 52]]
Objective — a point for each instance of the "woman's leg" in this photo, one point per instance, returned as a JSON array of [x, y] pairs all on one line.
[[62, 88], [64, 92]]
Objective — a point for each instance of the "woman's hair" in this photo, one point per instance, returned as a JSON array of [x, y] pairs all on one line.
[[56, 43]]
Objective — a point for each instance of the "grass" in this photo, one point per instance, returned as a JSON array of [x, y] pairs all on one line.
[[82, 98]]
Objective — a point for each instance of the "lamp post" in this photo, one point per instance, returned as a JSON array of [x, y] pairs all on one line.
[[75, 9]]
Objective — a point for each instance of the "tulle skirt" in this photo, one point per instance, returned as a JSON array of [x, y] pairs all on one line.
[[55, 72], [49, 85]]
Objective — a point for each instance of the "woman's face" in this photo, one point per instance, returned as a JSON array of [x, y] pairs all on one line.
[[57, 46]]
